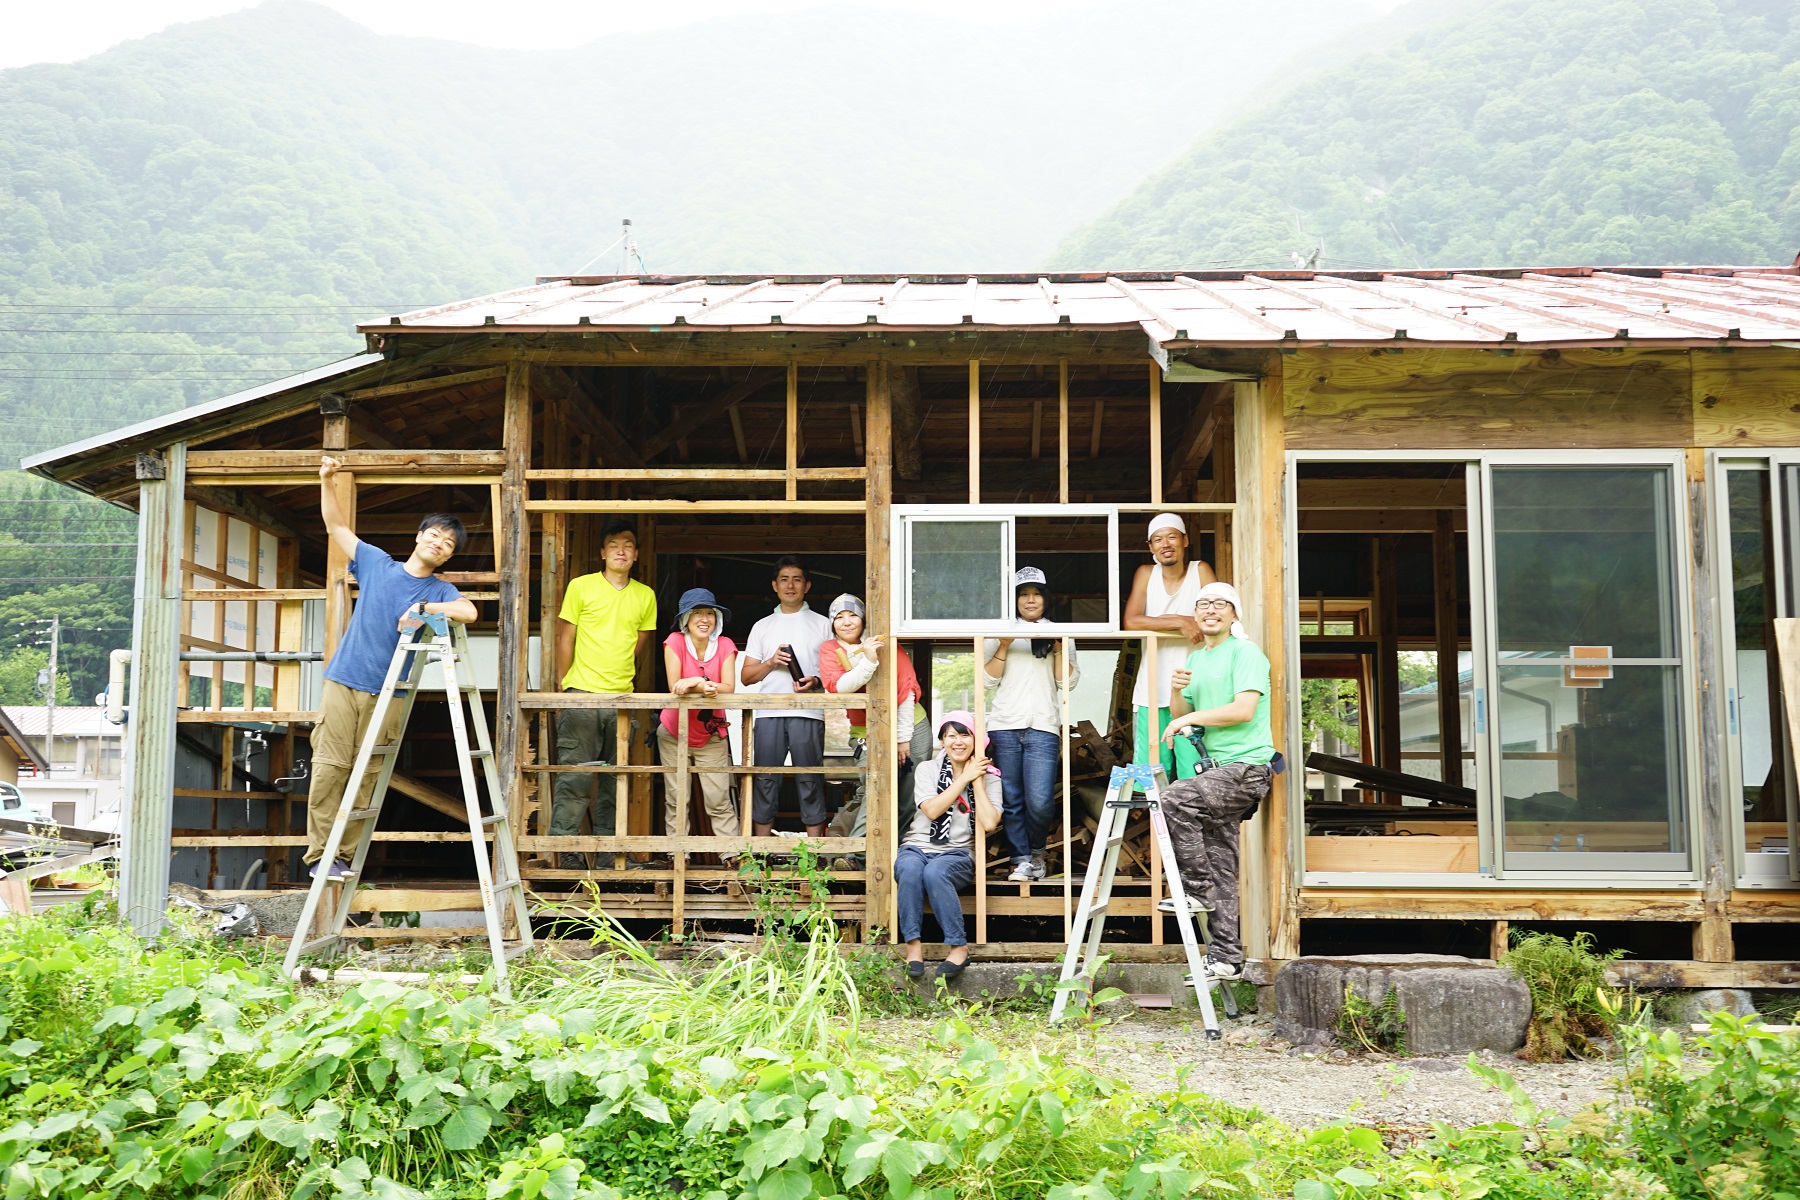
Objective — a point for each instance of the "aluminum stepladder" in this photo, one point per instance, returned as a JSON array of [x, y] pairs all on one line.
[[1085, 932], [446, 643]]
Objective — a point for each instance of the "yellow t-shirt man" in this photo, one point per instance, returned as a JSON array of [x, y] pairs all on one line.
[[607, 622]]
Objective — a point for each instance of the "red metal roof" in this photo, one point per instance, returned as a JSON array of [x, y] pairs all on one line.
[[1581, 305]]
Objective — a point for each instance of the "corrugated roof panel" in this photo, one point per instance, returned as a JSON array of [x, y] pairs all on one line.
[[1583, 305]]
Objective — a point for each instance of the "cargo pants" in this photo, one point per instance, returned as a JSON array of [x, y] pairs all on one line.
[[1203, 814]]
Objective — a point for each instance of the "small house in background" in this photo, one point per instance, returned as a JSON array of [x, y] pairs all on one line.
[[1519, 545], [82, 786], [17, 752]]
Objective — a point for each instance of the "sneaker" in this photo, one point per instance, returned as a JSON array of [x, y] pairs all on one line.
[[571, 860], [1029, 871], [1194, 905], [1041, 863], [340, 870], [1215, 969]]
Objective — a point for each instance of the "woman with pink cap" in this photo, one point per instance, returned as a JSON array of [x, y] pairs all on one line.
[[953, 792]]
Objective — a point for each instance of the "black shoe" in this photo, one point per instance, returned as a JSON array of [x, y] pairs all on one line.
[[915, 968], [950, 970]]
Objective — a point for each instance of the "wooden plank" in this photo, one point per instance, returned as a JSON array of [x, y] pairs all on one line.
[[1662, 975], [1502, 904], [1425, 853], [1094, 428], [1196, 440], [434, 383], [879, 798], [1449, 688], [1498, 939], [1156, 440], [250, 716], [726, 474], [306, 462], [975, 431], [1062, 430], [1452, 398], [1380, 494], [696, 506], [662, 700], [1748, 397], [1387, 659], [252, 595], [510, 730], [792, 429], [407, 479]]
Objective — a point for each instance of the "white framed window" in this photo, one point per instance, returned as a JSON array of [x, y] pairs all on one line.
[[953, 565]]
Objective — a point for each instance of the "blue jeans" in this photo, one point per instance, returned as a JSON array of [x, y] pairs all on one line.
[[1027, 760], [939, 878]]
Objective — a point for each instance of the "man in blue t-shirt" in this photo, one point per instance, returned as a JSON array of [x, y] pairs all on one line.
[[390, 596], [1222, 695]]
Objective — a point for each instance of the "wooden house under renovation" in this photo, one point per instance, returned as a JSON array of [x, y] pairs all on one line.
[[1520, 546]]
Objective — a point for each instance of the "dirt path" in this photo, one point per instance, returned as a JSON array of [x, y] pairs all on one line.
[[1148, 1050]]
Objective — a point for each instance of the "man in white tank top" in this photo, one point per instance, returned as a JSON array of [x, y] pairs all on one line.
[[1162, 599]]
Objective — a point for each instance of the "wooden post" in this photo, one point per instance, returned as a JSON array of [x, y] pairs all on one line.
[[1070, 650], [978, 690], [553, 558], [879, 801], [1718, 870], [1387, 659], [337, 564], [513, 541], [1062, 431], [1269, 900], [1497, 937], [1156, 447], [1443, 564], [149, 783], [793, 431], [975, 438]]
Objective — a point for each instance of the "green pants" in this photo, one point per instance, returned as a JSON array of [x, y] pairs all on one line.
[[1140, 750], [584, 736]]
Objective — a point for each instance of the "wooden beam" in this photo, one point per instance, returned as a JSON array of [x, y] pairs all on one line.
[[1196, 441], [155, 677], [706, 412], [879, 799], [612, 445], [1062, 431], [247, 506], [696, 506], [792, 428], [975, 435], [434, 383], [737, 435], [335, 439], [1449, 640], [1387, 660], [1380, 494], [1037, 429], [515, 583], [1094, 429], [433, 798], [1156, 441], [252, 463]]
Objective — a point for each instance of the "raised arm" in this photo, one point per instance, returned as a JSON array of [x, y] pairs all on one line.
[[342, 536]]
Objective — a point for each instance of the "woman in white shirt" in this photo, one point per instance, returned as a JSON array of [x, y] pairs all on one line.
[[953, 792], [1025, 724]]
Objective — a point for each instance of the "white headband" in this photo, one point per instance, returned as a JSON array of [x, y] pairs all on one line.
[[1167, 521], [1224, 591]]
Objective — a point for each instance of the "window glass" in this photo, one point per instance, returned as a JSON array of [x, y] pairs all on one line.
[[956, 569]]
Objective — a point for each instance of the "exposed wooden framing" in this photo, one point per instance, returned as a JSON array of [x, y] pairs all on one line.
[[1445, 590], [1380, 494], [553, 564], [364, 429], [727, 474], [792, 429], [978, 690], [1497, 939], [431, 384], [975, 442], [879, 799], [705, 413], [1387, 660], [1712, 936], [1196, 441], [1062, 430], [737, 434], [335, 438], [253, 463], [1094, 429], [612, 445], [393, 479], [252, 595], [1270, 919], [1156, 441], [1037, 430], [155, 676], [908, 420], [696, 506], [510, 732], [247, 506]]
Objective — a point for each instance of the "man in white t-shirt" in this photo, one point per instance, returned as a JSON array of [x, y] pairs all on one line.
[[782, 656], [1162, 599]]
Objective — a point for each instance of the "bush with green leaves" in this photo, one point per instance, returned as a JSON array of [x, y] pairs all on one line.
[[1565, 977]]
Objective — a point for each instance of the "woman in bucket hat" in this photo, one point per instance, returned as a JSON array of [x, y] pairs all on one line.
[[1025, 723], [700, 661]]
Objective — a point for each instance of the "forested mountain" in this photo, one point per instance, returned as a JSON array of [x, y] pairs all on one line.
[[213, 206], [1504, 132]]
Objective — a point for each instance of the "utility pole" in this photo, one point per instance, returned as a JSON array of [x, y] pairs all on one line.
[[47, 685], [627, 249]]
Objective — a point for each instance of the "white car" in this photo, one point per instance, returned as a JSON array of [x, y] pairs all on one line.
[[15, 807]]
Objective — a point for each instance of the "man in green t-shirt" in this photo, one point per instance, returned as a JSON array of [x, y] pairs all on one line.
[[1220, 731], [606, 621]]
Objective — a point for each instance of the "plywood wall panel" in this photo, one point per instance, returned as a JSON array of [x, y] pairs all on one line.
[[1472, 399], [1747, 397]]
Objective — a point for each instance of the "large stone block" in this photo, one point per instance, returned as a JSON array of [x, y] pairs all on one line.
[[1452, 1005]]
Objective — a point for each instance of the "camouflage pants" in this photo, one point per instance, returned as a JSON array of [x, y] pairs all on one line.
[[1203, 814]]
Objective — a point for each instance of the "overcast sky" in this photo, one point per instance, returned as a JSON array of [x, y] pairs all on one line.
[[74, 29]]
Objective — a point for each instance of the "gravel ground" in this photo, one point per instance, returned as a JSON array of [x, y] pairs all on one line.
[[1250, 1069]]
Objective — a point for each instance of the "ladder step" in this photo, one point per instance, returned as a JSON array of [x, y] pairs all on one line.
[[320, 943], [363, 814], [390, 748], [508, 881], [481, 754], [496, 819], [513, 951], [1086, 915]]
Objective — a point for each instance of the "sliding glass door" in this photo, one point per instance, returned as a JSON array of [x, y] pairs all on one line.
[[1588, 659]]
